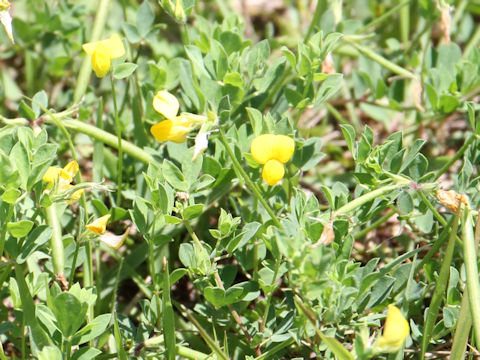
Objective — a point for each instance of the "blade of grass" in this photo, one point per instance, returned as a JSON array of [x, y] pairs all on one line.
[[464, 324], [441, 285], [385, 16], [168, 317], [122, 355], [470, 258]]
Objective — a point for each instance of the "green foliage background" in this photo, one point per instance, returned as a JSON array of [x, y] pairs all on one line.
[[218, 264]]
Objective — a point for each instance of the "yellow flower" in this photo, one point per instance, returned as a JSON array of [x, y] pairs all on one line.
[[273, 172], [174, 128], [102, 53], [63, 178], [166, 104], [395, 332], [272, 151], [98, 226]]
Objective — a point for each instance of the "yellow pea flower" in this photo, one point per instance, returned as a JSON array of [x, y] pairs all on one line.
[[6, 18], [395, 332], [174, 128], [98, 226], [63, 178], [272, 151], [273, 172], [102, 53]]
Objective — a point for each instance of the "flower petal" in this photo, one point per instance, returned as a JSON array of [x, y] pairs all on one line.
[[273, 172], [262, 148], [114, 45], [99, 225], [52, 174], [70, 170], [166, 104], [101, 60], [161, 131], [89, 47], [283, 148], [395, 332]]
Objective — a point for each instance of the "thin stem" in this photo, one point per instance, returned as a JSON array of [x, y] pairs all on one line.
[[111, 140], [56, 243], [319, 10], [118, 128], [246, 178], [470, 258], [86, 69], [3, 232], [457, 156], [441, 285], [356, 203], [74, 264], [380, 59], [383, 17]]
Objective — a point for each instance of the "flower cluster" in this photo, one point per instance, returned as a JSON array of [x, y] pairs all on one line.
[[102, 53], [63, 178], [272, 151], [176, 127]]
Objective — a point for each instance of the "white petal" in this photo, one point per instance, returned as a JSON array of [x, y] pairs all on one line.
[[6, 21], [201, 143]]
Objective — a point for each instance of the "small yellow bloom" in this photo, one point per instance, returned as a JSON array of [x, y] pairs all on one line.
[[395, 332], [272, 151], [273, 172], [98, 226], [175, 128], [63, 178], [102, 53]]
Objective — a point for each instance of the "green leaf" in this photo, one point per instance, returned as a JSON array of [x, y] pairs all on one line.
[[174, 176], [20, 228], [85, 353], [69, 312], [219, 297], [92, 330], [50, 353], [145, 19], [123, 70], [349, 135], [39, 236], [11, 195], [39, 101], [234, 79], [26, 111], [192, 211], [19, 157]]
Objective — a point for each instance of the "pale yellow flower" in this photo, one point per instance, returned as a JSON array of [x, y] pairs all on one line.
[[98, 226], [102, 53]]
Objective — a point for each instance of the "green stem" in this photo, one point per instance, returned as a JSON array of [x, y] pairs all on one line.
[[191, 354], [246, 178], [383, 17], [380, 59], [86, 69], [110, 140], [354, 204], [56, 242], [319, 10], [118, 128], [457, 156], [3, 232], [441, 285], [464, 324], [470, 258], [74, 264]]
